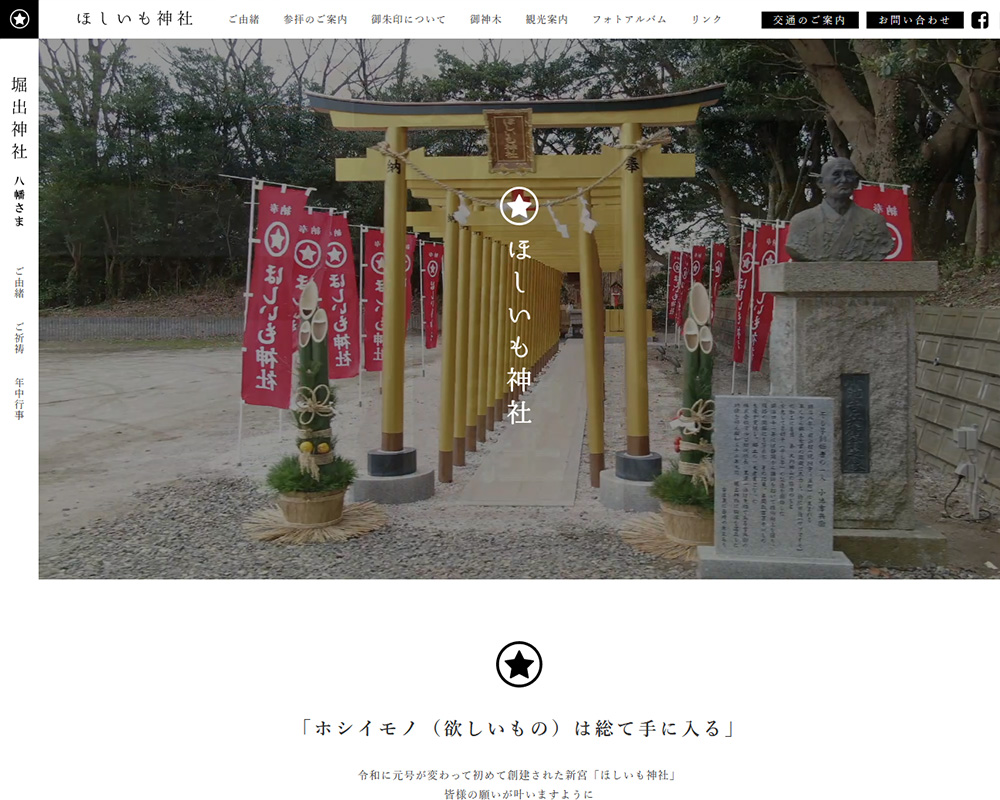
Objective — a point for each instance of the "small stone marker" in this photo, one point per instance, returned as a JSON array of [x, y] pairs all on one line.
[[773, 490]]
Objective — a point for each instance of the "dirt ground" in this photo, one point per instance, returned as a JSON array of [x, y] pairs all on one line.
[[113, 422], [117, 419], [971, 545]]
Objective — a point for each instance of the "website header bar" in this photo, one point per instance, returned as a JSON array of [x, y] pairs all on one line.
[[452, 20]]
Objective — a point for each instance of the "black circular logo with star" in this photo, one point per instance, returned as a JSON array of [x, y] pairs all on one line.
[[519, 664]]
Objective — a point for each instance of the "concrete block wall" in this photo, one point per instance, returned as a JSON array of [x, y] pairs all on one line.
[[958, 384]]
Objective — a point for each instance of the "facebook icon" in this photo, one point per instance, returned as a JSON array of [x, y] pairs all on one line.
[[980, 19]]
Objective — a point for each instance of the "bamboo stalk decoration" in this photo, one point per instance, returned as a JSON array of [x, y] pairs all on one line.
[[695, 419], [314, 400]]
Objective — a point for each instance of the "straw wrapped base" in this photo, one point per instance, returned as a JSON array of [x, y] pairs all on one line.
[[358, 519], [676, 533], [312, 508]]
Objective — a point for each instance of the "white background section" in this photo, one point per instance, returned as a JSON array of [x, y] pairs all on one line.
[[865, 690], [199, 689]]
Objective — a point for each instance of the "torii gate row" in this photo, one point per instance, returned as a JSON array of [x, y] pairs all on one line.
[[555, 177], [491, 303], [550, 249], [546, 244], [474, 251], [481, 381]]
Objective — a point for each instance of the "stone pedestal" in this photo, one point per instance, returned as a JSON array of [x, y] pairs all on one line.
[[395, 489], [848, 331], [620, 494], [393, 477]]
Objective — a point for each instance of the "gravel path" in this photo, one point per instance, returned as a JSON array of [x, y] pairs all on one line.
[[192, 527]]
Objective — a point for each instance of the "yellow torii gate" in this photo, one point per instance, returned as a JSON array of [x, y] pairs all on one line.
[[479, 281]]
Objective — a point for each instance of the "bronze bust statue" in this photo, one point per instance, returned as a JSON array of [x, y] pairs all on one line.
[[837, 229]]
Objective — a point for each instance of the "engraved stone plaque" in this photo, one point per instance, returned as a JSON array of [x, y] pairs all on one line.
[[774, 477], [855, 441]]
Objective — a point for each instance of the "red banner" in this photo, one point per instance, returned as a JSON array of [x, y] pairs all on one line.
[[411, 250], [684, 287], [313, 236], [763, 302], [340, 292], [718, 256], [269, 339], [371, 273], [743, 296], [698, 253], [374, 283], [894, 205], [433, 258], [673, 283]]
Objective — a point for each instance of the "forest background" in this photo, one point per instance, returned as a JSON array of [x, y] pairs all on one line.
[[132, 147]]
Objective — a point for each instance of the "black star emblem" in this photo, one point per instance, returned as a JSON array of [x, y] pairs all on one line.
[[519, 665]]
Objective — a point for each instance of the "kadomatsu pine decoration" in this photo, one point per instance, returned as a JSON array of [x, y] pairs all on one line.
[[311, 484], [687, 490]]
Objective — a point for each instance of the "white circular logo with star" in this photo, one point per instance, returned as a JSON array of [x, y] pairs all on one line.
[[19, 18], [276, 239], [432, 268], [519, 205], [307, 254], [377, 263], [336, 255], [519, 664]]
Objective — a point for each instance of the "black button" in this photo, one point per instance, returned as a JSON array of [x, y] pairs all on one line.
[[830, 20], [928, 20]]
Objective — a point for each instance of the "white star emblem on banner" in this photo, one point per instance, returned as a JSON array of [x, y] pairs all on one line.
[[307, 253]]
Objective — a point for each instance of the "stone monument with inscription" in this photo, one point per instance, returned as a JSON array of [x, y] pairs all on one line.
[[774, 496], [847, 331]]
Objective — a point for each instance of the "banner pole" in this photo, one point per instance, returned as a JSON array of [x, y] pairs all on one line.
[[254, 181], [680, 274], [691, 273], [422, 322], [677, 328], [739, 270], [753, 284], [361, 313], [666, 316], [710, 266], [239, 436], [246, 311]]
